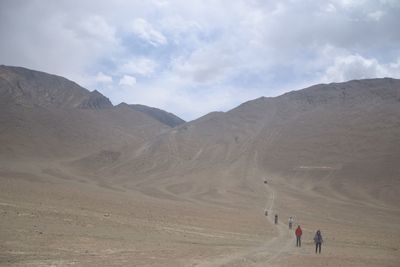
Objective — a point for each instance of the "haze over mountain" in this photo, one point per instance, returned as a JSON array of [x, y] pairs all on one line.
[[329, 153], [160, 115], [47, 115], [345, 133]]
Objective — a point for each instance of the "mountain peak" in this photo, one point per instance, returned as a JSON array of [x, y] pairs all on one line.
[[95, 100], [35, 88], [158, 114]]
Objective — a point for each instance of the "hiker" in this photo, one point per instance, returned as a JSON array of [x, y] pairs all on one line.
[[276, 218], [290, 222], [318, 241], [298, 233], [266, 212]]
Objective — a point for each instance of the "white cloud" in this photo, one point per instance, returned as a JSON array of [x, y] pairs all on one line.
[[56, 43], [196, 56], [376, 15], [96, 27], [350, 3], [330, 8], [127, 80], [204, 65], [146, 31], [103, 78], [355, 66], [181, 30], [161, 3], [143, 66]]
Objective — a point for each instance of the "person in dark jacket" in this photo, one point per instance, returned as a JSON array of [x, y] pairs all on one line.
[[298, 233], [276, 218], [318, 241]]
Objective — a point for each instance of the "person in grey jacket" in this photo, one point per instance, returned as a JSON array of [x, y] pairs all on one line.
[[290, 222], [318, 241]]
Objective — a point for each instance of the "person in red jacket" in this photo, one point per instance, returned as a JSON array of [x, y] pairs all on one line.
[[298, 233]]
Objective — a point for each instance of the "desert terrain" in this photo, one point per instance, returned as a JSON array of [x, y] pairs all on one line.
[[86, 183]]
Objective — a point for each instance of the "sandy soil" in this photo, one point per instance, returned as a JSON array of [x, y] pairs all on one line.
[[64, 220]]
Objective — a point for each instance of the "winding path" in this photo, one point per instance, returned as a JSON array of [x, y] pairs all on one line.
[[265, 253]]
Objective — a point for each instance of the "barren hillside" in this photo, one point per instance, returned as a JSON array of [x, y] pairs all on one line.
[[87, 183], [48, 116], [346, 133], [160, 115]]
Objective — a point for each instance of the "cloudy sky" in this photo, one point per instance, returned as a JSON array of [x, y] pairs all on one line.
[[194, 57]]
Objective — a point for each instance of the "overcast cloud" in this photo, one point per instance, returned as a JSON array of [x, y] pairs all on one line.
[[194, 57]]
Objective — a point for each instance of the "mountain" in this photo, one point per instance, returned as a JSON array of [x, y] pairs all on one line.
[[160, 115], [347, 134], [33, 88], [48, 116], [85, 182]]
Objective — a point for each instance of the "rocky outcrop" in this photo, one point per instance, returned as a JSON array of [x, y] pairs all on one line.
[[95, 100], [160, 115]]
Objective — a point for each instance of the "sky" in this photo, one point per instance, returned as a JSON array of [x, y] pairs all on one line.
[[194, 57]]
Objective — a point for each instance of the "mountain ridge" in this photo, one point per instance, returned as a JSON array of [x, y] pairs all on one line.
[[348, 131], [165, 117], [311, 133], [204, 192], [30, 87], [49, 116]]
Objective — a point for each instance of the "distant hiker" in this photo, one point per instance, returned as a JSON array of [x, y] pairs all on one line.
[[318, 241], [298, 233], [291, 222], [276, 218], [266, 213]]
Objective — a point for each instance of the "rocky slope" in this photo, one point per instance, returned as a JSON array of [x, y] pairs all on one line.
[[341, 133], [344, 134], [47, 116], [86, 183], [160, 115]]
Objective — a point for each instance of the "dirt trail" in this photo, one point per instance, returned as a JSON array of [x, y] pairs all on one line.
[[266, 253]]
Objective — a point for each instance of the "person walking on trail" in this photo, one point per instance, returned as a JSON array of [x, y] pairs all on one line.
[[298, 233], [290, 222], [318, 241], [276, 218]]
